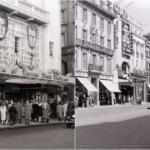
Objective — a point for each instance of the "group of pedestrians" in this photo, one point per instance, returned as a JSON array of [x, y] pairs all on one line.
[[135, 100], [84, 101]]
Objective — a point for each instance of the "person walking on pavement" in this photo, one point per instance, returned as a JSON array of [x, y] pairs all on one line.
[[18, 107], [84, 101], [13, 114], [140, 99], [65, 108], [46, 112], [3, 113], [54, 109], [60, 110], [28, 111], [36, 107], [7, 113]]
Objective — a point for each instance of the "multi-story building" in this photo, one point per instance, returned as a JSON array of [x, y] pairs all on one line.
[[94, 49], [129, 57], [67, 41], [30, 50], [147, 64]]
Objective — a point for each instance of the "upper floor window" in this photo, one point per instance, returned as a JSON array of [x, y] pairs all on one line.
[[51, 45], [102, 23], [84, 35], [147, 65], [109, 44], [76, 10], [94, 59], [84, 14], [16, 44], [136, 63], [109, 66], [109, 27], [84, 61], [102, 41], [93, 19], [63, 40], [102, 63], [101, 3], [62, 16], [76, 36], [117, 25], [108, 7], [75, 59], [93, 39]]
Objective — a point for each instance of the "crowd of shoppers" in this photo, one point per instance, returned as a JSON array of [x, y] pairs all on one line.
[[37, 111]]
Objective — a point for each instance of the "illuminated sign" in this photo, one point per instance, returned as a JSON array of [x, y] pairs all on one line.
[[125, 38]]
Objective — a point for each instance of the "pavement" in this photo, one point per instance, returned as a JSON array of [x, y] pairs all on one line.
[[38, 137], [32, 124]]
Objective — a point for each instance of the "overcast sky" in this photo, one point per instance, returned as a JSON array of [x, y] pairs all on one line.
[[139, 10]]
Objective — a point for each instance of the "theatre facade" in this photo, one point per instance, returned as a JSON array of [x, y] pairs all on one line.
[[30, 52]]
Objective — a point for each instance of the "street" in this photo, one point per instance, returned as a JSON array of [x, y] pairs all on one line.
[[42, 137], [113, 128]]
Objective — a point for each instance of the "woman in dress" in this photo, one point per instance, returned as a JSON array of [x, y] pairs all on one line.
[[3, 113], [46, 111]]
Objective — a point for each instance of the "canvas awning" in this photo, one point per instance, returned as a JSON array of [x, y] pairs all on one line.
[[87, 84], [110, 86]]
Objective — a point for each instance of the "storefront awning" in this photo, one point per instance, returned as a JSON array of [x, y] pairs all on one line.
[[87, 84], [110, 86]]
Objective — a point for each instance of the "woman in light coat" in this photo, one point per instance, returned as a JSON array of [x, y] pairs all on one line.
[[65, 108], [3, 112], [60, 110]]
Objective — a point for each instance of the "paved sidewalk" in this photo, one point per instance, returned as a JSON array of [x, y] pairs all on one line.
[[109, 106], [32, 124]]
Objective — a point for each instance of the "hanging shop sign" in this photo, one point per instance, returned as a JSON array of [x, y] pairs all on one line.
[[125, 38], [116, 40], [32, 35], [3, 25]]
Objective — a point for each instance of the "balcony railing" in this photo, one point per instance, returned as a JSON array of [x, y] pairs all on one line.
[[27, 7], [94, 46], [95, 67], [139, 72], [101, 7]]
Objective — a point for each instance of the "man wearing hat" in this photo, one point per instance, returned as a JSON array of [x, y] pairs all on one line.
[[13, 114]]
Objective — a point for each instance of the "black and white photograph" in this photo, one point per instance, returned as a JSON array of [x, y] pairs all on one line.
[[74, 74]]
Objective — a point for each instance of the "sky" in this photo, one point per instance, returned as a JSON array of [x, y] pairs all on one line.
[[139, 10]]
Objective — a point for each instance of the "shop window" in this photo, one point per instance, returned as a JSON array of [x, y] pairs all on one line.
[[16, 44], [84, 61], [51, 45]]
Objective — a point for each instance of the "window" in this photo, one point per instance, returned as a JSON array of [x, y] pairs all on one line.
[[132, 63], [109, 66], [141, 65], [75, 59], [102, 41], [62, 40], [109, 27], [76, 32], [149, 79], [93, 40], [76, 10], [94, 59], [109, 44], [136, 63], [93, 19], [102, 63], [108, 7], [62, 3], [62, 17], [147, 53], [102, 23], [84, 59], [149, 66], [84, 15], [16, 44], [117, 25], [84, 35], [101, 3], [51, 44]]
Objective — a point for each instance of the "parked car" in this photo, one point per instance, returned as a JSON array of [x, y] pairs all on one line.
[[70, 115]]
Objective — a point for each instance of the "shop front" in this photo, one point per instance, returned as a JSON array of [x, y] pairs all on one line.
[[108, 92], [85, 87]]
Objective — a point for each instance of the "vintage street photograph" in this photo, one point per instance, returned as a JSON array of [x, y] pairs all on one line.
[[112, 74], [37, 74]]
